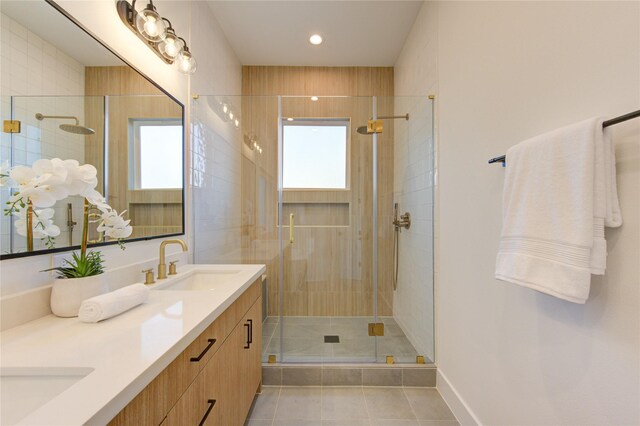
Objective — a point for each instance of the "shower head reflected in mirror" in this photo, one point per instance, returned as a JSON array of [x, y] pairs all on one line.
[[70, 128], [373, 127]]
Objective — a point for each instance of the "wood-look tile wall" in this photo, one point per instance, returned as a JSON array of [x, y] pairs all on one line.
[[329, 269], [152, 212]]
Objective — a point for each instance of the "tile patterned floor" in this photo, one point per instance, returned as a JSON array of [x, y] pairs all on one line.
[[303, 339], [349, 406]]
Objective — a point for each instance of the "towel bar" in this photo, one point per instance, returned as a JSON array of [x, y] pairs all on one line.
[[634, 114]]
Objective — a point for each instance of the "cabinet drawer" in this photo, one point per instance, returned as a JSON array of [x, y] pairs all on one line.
[[213, 397], [153, 403]]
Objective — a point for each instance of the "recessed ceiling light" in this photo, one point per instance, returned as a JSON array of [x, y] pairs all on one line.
[[315, 39], [314, 98]]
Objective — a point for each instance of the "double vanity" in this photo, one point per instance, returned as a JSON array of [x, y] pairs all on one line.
[[189, 355]]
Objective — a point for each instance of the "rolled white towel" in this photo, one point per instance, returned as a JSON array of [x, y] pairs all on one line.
[[111, 304]]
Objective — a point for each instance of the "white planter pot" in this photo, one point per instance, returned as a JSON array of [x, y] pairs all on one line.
[[67, 294]]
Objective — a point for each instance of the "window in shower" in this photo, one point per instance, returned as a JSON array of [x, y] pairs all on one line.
[[153, 147], [315, 154]]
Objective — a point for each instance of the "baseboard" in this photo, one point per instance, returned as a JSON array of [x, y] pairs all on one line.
[[458, 406]]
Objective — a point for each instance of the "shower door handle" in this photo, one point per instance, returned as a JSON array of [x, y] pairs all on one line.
[[291, 228]]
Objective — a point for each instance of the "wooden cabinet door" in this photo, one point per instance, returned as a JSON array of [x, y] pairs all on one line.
[[207, 400], [254, 355]]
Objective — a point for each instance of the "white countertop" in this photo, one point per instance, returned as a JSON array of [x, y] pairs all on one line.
[[125, 352]]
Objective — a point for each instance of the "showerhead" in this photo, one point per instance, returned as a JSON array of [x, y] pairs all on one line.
[[71, 128], [78, 130], [375, 126]]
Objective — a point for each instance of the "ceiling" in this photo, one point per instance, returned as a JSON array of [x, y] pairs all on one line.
[[355, 33], [52, 26]]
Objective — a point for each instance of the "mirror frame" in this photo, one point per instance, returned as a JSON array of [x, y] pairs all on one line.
[[126, 241]]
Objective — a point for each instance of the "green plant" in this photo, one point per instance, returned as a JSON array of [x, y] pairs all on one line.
[[82, 265]]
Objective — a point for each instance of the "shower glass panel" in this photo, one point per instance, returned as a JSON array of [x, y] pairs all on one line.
[[406, 304], [293, 185]]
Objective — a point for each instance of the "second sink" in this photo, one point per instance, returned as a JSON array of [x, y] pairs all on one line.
[[24, 390]]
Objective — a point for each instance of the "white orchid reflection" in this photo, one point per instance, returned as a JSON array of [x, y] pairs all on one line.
[[114, 225], [42, 224]]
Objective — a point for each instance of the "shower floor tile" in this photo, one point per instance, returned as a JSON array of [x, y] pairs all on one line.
[[303, 340]]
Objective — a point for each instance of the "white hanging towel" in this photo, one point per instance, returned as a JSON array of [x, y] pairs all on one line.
[[559, 194]]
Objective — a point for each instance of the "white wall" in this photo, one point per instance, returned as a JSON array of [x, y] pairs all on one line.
[[218, 67], [507, 71], [216, 150]]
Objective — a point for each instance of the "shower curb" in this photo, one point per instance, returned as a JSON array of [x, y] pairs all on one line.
[[351, 375]]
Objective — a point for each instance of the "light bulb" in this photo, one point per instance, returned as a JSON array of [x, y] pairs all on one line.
[[185, 62], [225, 108], [315, 39], [171, 46], [237, 122], [231, 115], [150, 25]]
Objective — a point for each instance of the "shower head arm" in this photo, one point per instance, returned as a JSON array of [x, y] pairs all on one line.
[[391, 117], [65, 117]]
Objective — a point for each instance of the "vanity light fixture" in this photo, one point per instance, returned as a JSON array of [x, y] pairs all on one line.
[[315, 39], [158, 34]]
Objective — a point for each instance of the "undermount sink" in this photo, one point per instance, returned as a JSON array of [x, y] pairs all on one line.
[[201, 280], [25, 389]]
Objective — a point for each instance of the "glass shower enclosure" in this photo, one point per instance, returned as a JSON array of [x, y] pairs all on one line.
[[316, 194]]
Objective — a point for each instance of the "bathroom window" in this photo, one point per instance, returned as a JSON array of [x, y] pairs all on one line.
[[315, 154], [154, 147]]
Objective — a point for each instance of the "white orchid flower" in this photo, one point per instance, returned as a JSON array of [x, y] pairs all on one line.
[[114, 225], [51, 172], [80, 178], [42, 184], [42, 223], [22, 175]]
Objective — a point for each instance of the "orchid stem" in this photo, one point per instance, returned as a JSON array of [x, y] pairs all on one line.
[[85, 229], [29, 226]]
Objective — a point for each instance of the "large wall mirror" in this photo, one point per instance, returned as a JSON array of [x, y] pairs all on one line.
[[76, 99]]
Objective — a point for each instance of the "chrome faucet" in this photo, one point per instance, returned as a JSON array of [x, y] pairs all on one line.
[[162, 266]]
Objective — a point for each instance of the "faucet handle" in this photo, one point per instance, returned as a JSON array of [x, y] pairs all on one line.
[[148, 276], [172, 267]]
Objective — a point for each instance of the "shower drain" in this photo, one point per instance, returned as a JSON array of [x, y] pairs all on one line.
[[332, 339]]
